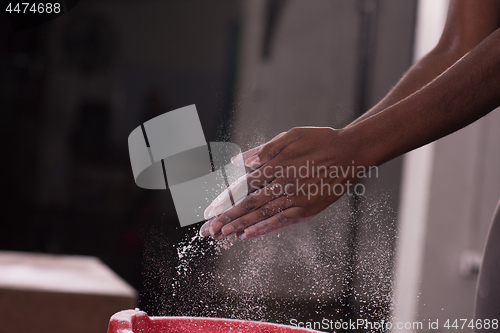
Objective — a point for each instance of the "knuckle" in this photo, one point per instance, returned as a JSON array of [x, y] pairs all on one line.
[[225, 218], [242, 223], [250, 203], [239, 224], [267, 150], [279, 135], [265, 211], [296, 131], [281, 218]]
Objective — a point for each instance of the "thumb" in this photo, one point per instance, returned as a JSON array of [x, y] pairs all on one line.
[[239, 160], [268, 151]]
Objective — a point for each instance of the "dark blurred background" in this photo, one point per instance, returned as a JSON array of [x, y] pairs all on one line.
[[71, 92], [73, 89]]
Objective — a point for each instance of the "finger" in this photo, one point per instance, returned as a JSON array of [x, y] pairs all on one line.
[[239, 190], [207, 229], [239, 160], [204, 230], [263, 212], [286, 217], [250, 203], [218, 236], [269, 150]]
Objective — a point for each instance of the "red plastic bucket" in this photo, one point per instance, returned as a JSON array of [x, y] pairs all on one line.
[[135, 321]]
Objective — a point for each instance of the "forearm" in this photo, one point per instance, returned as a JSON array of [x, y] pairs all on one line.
[[462, 94], [468, 23], [421, 73]]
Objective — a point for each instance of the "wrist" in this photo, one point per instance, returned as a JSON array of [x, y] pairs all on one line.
[[359, 143]]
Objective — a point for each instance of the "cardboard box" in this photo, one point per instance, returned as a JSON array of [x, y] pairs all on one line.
[[52, 293]]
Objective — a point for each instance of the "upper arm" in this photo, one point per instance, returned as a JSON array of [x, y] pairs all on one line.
[[468, 23]]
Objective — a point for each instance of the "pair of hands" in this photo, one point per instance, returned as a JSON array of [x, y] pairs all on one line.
[[295, 176]]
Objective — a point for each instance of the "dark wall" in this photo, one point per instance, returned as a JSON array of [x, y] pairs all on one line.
[[71, 91]]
